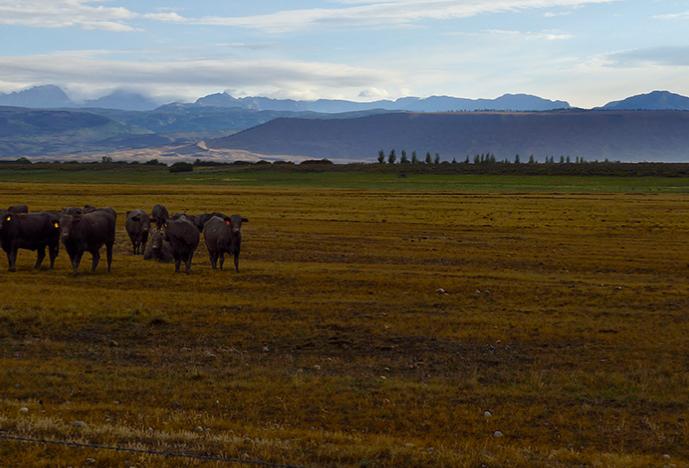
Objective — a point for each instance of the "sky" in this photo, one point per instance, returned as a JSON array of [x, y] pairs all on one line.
[[587, 52]]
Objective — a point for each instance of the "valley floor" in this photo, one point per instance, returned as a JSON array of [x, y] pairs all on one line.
[[563, 327]]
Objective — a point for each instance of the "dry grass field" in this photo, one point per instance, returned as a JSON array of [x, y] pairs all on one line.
[[566, 317]]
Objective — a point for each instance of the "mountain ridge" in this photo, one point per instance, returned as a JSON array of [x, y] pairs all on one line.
[[623, 135], [655, 100], [511, 102]]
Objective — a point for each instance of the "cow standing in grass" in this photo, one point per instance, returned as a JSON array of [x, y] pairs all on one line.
[[224, 236], [183, 237], [138, 225], [31, 232], [89, 232], [160, 215]]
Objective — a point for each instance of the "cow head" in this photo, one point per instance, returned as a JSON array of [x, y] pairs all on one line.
[[6, 219], [235, 222], [67, 225]]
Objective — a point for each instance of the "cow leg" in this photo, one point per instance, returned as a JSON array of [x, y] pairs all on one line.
[[177, 263], [108, 254], [222, 260], [39, 257], [95, 258], [52, 252], [214, 260], [12, 259], [76, 260], [188, 263], [236, 262]]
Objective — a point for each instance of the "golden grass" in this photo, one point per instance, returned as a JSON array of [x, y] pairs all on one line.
[[567, 317]]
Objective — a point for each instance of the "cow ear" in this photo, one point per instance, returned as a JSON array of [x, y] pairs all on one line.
[[245, 220]]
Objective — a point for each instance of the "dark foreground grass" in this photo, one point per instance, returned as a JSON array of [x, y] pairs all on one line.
[[565, 317]]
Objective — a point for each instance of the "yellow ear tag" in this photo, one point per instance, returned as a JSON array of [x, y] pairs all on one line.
[[9, 218], [56, 225]]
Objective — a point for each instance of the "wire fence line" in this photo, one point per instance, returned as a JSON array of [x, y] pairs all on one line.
[[4, 435]]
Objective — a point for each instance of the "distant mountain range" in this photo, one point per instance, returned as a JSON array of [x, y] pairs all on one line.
[[52, 97], [123, 100], [35, 132], [46, 97], [44, 121], [617, 135], [513, 102]]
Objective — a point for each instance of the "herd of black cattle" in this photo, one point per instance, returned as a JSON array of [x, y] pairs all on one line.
[[88, 229]]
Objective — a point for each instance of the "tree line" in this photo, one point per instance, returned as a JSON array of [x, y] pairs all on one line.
[[483, 158]]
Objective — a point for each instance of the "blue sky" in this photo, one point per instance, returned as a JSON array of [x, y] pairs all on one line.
[[585, 51]]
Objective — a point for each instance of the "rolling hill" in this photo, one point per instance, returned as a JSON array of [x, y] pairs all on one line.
[[656, 100], [30, 132], [617, 135]]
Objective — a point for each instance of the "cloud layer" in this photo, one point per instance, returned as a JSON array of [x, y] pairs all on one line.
[[92, 14], [186, 78]]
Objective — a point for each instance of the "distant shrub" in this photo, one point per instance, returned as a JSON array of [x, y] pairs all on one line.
[[310, 162], [153, 162], [181, 167], [262, 162], [23, 161]]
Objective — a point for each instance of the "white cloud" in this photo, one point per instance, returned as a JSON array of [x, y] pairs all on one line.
[[90, 75], [385, 13], [673, 16], [86, 14], [542, 35], [91, 14]]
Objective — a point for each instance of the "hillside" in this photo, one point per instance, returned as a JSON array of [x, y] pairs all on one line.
[[41, 132], [618, 135], [186, 119], [53, 132], [657, 100]]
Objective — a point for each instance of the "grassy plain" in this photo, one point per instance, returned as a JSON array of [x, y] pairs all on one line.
[[566, 317]]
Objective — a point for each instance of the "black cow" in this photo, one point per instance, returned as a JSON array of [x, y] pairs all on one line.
[[198, 220], [31, 232], [183, 237], [158, 248], [160, 215], [138, 225], [224, 236], [88, 232]]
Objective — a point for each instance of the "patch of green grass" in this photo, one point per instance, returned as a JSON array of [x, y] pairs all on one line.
[[347, 179]]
